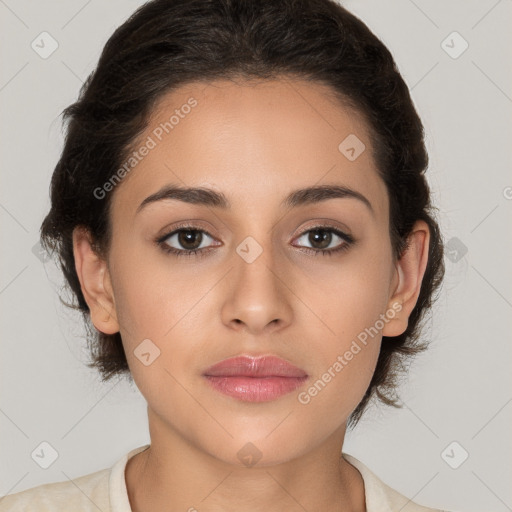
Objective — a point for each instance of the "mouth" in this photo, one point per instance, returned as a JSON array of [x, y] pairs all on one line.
[[255, 379]]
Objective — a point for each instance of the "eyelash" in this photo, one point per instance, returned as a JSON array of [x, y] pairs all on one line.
[[348, 241]]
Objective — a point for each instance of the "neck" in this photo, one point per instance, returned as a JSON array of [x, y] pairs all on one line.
[[175, 475]]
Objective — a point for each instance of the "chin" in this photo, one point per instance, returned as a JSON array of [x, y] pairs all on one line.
[[261, 449]]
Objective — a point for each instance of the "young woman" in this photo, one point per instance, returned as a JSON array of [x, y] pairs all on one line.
[[241, 211]]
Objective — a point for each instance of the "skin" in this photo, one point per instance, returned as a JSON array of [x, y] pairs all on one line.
[[255, 143]]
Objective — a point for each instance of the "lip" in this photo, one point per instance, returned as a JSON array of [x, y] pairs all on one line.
[[255, 379], [248, 366]]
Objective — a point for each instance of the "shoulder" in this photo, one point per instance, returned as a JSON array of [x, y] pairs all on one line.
[[85, 493], [103, 490], [380, 497]]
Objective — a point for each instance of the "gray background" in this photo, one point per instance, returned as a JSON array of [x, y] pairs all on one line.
[[458, 391]]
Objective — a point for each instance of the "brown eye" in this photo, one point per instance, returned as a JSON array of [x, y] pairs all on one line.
[[190, 239], [186, 239], [321, 238]]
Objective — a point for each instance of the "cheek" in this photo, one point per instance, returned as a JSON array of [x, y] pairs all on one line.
[[150, 293], [349, 300], [156, 313], [350, 295], [158, 300]]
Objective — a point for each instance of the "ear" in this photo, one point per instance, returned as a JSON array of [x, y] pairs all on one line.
[[406, 284], [95, 282]]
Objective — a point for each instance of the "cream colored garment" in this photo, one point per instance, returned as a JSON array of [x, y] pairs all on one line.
[[105, 491]]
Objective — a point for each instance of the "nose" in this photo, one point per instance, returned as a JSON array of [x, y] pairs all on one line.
[[258, 296]]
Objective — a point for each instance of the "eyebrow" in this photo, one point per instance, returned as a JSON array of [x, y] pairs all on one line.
[[208, 197]]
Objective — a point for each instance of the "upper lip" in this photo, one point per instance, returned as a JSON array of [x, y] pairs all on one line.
[[249, 366]]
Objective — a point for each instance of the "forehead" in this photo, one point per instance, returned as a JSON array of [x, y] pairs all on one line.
[[254, 141]]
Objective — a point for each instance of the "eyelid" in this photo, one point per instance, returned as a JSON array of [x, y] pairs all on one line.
[[168, 232], [194, 226], [328, 224]]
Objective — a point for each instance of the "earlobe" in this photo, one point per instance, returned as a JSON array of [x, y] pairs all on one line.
[[410, 269], [94, 278]]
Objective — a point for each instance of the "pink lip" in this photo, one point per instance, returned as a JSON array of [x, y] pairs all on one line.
[[255, 379]]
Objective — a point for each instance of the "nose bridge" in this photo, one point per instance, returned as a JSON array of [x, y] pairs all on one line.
[[257, 292]]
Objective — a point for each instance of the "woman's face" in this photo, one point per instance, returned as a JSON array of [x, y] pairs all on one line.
[[256, 286]]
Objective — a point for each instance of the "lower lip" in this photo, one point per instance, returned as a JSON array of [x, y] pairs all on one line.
[[255, 389]]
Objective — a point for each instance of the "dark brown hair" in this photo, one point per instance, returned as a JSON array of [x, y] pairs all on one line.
[[168, 43]]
